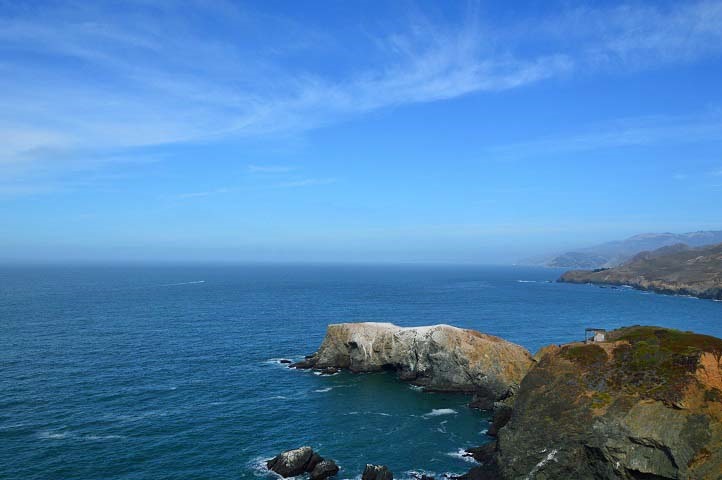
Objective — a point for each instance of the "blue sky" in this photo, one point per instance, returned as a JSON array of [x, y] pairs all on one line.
[[354, 131]]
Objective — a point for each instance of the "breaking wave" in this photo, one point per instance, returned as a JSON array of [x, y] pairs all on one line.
[[436, 412]]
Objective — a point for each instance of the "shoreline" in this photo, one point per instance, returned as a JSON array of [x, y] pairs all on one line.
[[574, 398], [673, 292]]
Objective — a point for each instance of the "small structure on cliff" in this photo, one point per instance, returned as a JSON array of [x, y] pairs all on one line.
[[594, 335]]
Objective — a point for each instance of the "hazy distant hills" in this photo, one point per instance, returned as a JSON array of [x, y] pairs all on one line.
[[612, 254], [676, 269]]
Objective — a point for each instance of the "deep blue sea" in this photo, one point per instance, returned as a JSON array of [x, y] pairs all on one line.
[[171, 372]]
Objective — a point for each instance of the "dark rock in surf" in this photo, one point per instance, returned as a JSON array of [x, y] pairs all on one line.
[[422, 476], [484, 454], [377, 472], [285, 360], [313, 461], [306, 364], [302, 460], [292, 462], [324, 469]]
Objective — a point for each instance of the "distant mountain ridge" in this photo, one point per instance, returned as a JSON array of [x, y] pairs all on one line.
[[615, 253], [675, 269]]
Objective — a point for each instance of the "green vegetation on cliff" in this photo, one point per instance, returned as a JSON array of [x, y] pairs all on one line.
[[654, 363], [646, 403]]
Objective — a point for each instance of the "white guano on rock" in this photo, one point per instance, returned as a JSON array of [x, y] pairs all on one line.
[[439, 357]]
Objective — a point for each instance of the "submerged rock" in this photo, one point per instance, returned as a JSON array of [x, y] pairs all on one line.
[[647, 403], [440, 357], [377, 472]]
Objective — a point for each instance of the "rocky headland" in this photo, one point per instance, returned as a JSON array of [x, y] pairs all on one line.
[[645, 404], [675, 269], [439, 358]]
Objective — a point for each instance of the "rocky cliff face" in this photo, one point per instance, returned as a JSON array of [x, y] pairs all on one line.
[[675, 269], [439, 357], [645, 404]]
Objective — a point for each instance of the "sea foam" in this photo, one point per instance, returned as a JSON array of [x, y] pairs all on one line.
[[462, 455], [436, 412]]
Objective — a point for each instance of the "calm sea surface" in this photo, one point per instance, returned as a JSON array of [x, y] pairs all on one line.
[[171, 372]]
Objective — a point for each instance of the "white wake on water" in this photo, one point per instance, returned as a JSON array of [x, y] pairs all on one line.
[[62, 435], [195, 282], [54, 435]]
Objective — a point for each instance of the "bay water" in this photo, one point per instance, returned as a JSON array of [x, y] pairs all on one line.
[[172, 371]]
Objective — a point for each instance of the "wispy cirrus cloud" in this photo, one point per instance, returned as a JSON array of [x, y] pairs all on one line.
[[207, 193], [306, 182], [270, 169], [261, 177], [94, 78], [627, 132], [146, 77]]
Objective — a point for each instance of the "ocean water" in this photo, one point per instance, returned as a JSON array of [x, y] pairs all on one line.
[[171, 372]]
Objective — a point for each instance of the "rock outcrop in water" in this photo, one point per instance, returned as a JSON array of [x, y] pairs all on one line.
[[377, 472], [324, 469], [645, 404], [301, 460], [440, 357], [675, 269]]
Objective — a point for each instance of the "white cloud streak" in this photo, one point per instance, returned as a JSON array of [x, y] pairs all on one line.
[[270, 169], [83, 77], [306, 182], [631, 132]]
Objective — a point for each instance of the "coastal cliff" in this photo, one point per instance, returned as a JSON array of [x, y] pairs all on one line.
[[440, 357], [647, 403], [676, 269]]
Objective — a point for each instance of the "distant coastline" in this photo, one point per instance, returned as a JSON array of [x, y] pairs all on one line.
[[673, 270]]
